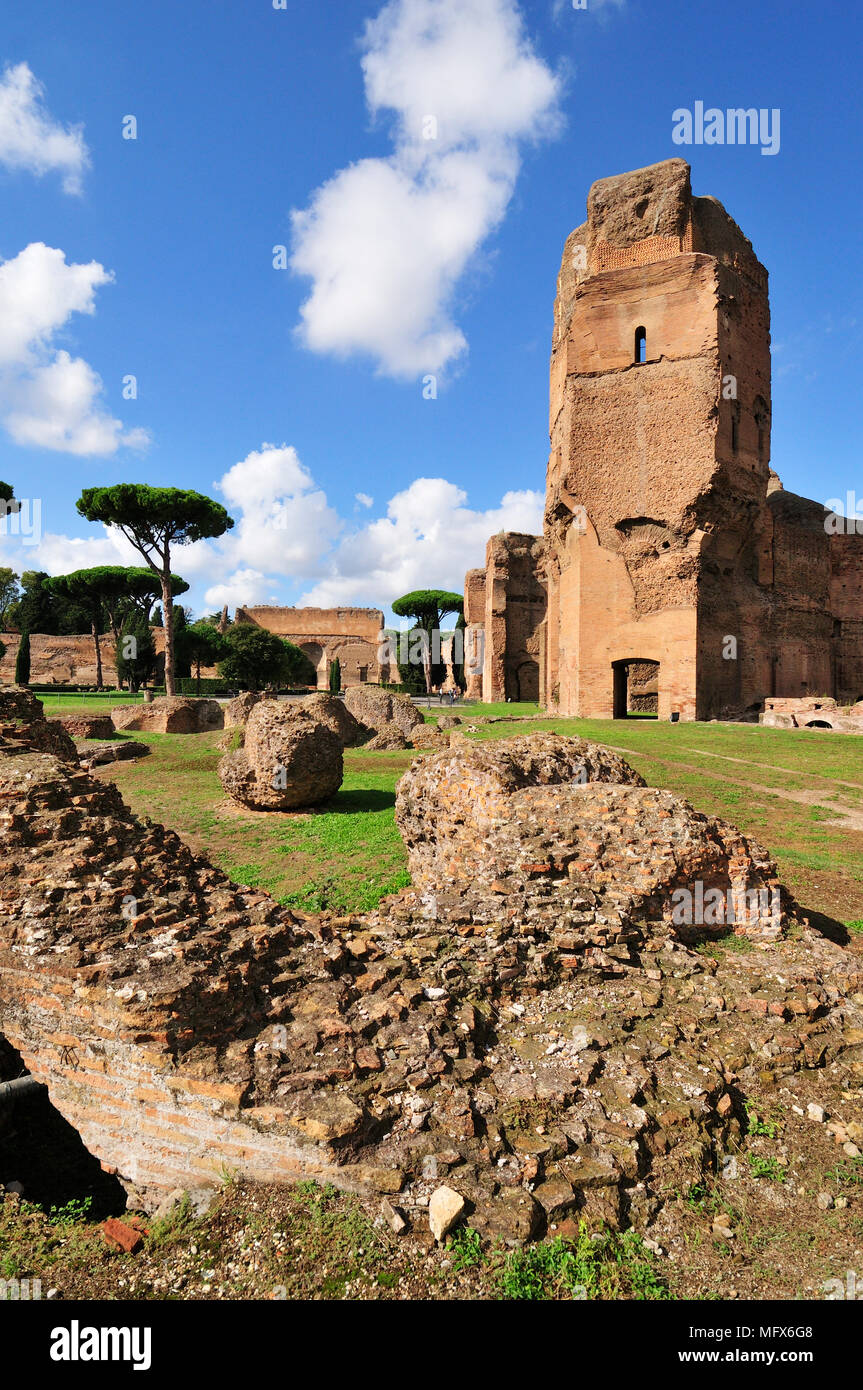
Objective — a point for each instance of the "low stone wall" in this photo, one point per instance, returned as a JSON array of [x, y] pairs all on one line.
[[170, 714], [86, 725], [68, 660]]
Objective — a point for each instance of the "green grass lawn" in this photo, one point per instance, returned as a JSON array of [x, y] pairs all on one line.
[[785, 788], [88, 702]]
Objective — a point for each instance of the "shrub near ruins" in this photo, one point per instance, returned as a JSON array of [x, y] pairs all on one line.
[[257, 658]]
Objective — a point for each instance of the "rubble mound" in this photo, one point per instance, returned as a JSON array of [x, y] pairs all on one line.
[[543, 825], [86, 725], [120, 751], [389, 738], [288, 759], [375, 708], [23, 726], [523, 1049], [170, 714]]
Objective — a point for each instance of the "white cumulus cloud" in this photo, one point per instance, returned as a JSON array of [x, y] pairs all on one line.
[[30, 138], [244, 588], [285, 523], [386, 240], [429, 538], [48, 398]]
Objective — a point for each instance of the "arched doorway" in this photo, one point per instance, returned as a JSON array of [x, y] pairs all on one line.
[[527, 681], [636, 687], [315, 653]]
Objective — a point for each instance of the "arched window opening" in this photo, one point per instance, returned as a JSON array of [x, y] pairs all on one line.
[[640, 346]]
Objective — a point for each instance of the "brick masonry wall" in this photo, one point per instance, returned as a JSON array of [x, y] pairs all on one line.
[[62, 660], [186, 1026]]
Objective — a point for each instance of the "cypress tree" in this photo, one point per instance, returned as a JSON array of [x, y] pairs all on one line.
[[22, 660]]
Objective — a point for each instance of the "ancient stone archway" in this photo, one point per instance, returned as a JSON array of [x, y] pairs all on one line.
[[317, 659], [527, 681], [636, 686]]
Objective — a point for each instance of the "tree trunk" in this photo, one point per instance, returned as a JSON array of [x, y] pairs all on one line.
[[116, 632], [168, 620], [199, 673], [95, 632]]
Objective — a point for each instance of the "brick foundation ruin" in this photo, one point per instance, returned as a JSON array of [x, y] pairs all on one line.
[[527, 1020]]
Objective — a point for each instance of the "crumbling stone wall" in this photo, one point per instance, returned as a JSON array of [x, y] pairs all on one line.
[[514, 595], [184, 1025], [60, 660]]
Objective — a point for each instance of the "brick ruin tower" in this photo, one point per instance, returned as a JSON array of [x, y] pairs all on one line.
[[658, 472], [672, 549], [675, 573]]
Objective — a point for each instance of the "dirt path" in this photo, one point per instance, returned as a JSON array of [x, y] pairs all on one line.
[[845, 817], [771, 767]]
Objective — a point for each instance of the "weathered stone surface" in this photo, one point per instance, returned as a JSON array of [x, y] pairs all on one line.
[[439, 1040], [375, 708], [333, 711], [288, 759], [22, 724], [86, 725], [389, 738], [324, 709], [429, 736], [170, 714], [237, 711], [120, 751]]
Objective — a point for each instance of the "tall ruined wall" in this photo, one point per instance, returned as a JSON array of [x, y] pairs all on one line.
[[67, 660], [515, 609], [350, 634], [474, 638], [364, 623], [668, 537], [638, 448]]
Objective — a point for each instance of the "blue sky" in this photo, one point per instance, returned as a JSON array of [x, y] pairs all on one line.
[[409, 256]]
